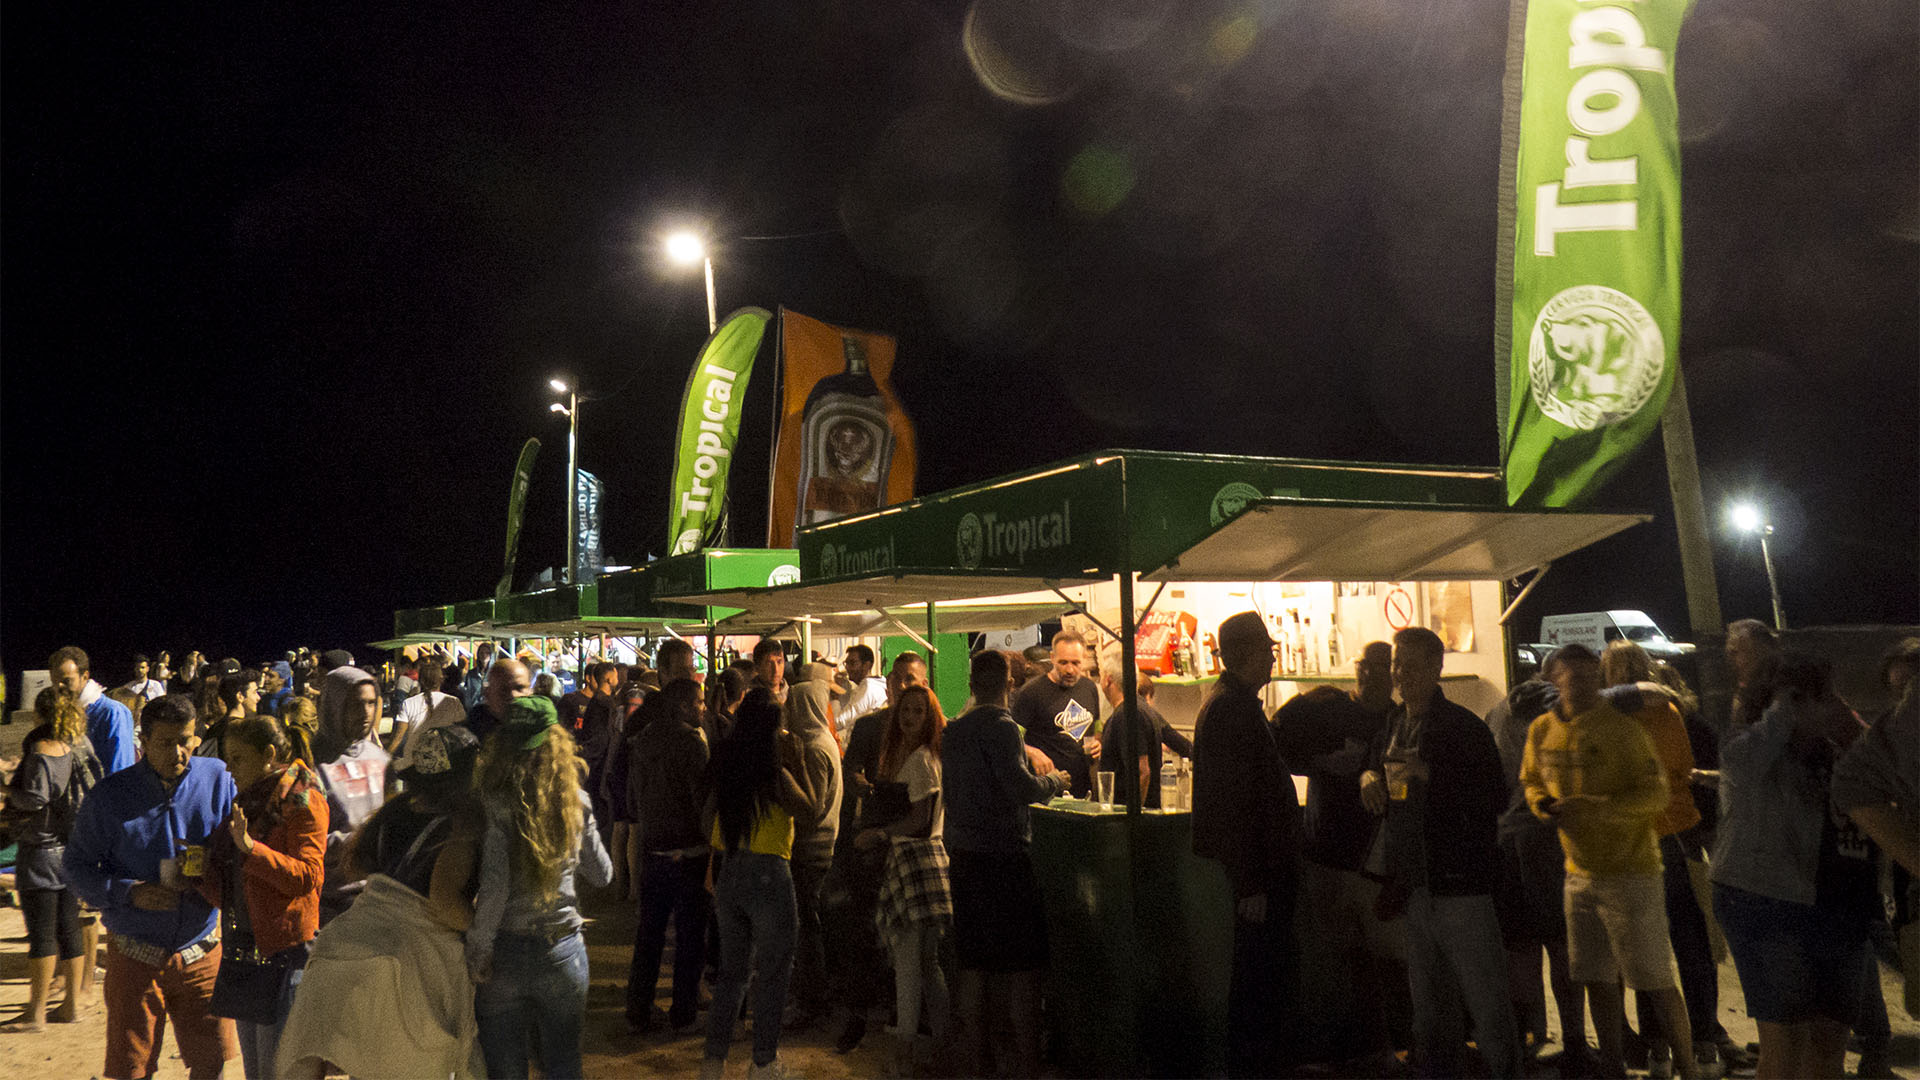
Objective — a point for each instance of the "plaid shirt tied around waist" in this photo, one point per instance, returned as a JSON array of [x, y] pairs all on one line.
[[914, 891]]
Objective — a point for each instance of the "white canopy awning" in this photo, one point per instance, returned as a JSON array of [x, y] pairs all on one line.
[[964, 601], [1314, 540], [957, 618]]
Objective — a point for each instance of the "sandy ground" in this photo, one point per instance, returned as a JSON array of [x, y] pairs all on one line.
[[74, 1050]]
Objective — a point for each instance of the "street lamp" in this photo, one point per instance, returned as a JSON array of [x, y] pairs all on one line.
[[1748, 519], [570, 410], [686, 248]]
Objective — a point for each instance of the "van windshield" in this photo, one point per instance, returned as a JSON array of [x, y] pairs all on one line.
[[1643, 633]]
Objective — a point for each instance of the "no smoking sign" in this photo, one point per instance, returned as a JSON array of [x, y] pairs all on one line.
[[1398, 607]]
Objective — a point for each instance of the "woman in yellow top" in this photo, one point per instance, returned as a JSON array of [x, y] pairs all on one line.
[[759, 786]]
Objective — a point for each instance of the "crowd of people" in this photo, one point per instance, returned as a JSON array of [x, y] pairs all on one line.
[[319, 868]]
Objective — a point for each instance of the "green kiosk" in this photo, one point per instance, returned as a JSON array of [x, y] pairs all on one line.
[[1145, 547]]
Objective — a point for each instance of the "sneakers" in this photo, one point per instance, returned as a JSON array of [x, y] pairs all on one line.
[[1659, 1063], [772, 1070], [1706, 1062]]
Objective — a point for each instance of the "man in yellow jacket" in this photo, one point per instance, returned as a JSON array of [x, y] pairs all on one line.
[[1593, 773]]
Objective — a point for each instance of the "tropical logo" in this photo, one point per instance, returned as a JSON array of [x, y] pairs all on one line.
[[784, 574], [1229, 501], [970, 542], [1595, 357]]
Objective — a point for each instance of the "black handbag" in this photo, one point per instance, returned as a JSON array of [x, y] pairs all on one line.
[[250, 987]]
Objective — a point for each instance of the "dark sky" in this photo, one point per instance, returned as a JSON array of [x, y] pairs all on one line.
[[283, 287]]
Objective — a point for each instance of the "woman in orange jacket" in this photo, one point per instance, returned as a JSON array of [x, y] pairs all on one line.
[[265, 873]]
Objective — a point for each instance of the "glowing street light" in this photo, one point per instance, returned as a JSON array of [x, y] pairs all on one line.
[[687, 248], [1748, 519], [570, 410]]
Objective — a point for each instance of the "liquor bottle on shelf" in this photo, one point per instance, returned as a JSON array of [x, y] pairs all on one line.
[[1183, 656], [1335, 653], [1213, 655], [846, 443], [1285, 638], [1312, 643], [1299, 645]]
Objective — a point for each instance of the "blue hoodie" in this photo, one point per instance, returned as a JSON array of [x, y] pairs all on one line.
[[126, 826], [109, 728]]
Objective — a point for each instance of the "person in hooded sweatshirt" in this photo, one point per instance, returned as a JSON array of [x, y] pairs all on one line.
[[109, 723], [353, 771], [809, 711]]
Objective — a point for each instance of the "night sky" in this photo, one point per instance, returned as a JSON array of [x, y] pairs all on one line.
[[283, 287]]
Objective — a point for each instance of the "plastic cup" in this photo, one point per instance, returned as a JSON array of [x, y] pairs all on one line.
[[1103, 788]]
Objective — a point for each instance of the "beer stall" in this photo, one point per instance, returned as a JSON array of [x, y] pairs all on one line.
[[1332, 554]]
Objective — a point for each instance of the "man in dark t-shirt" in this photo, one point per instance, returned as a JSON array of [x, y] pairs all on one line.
[[1058, 713]]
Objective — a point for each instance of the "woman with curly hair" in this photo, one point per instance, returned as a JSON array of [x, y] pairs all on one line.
[[916, 903], [524, 948], [264, 874], [55, 773]]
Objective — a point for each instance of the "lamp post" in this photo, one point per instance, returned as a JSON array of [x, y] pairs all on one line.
[[1747, 518], [570, 410], [686, 249]]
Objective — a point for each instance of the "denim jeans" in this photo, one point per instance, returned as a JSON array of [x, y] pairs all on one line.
[[1459, 936], [810, 991], [753, 902], [260, 1042], [534, 984], [670, 890], [1692, 952]]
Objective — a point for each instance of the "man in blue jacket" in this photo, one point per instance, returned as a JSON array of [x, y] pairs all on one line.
[[136, 850], [109, 724]]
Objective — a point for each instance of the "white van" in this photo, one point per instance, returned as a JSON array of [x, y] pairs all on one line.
[[1595, 629]]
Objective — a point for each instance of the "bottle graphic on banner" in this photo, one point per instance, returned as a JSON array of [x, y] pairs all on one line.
[[846, 443]]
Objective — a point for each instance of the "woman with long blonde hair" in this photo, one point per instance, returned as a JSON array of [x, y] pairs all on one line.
[[524, 948]]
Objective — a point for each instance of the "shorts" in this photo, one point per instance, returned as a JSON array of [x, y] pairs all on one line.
[[142, 998], [999, 920], [1617, 927], [1531, 892], [53, 922], [1796, 962]]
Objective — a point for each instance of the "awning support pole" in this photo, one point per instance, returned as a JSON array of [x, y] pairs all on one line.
[[1148, 610], [1527, 588], [909, 631], [933, 652], [1082, 609], [1126, 772]]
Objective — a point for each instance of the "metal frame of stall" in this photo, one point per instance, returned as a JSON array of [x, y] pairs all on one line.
[[1158, 517]]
